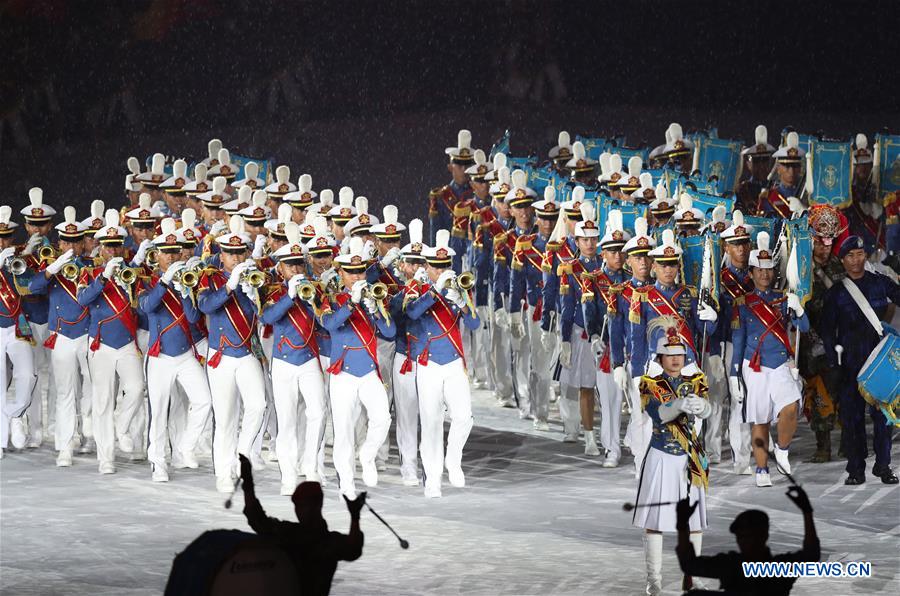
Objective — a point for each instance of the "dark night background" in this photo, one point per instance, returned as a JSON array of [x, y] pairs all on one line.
[[368, 94]]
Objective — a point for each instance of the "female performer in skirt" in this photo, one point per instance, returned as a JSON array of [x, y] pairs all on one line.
[[675, 465]]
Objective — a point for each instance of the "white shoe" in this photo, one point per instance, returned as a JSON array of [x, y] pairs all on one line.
[[187, 460], [525, 415], [224, 484], [159, 474], [590, 444], [541, 425], [506, 402], [380, 465], [87, 447], [288, 488], [257, 462], [410, 481], [64, 459], [37, 437], [456, 476], [272, 456], [313, 477], [714, 459], [107, 468], [432, 492], [17, 435], [370, 473], [781, 457], [743, 470], [610, 461], [570, 438], [138, 456], [126, 444], [763, 479]]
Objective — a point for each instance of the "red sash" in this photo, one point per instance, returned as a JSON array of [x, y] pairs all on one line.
[[120, 305], [462, 212], [172, 304], [505, 243], [10, 298], [771, 319], [449, 323], [734, 285], [72, 290], [489, 222], [779, 204], [301, 322], [663, 306], [364, 330], [235, 315]]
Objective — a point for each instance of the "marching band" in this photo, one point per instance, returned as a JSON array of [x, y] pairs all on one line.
[[224, 313]]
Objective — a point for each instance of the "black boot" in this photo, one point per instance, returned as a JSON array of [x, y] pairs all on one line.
[[886, 474]]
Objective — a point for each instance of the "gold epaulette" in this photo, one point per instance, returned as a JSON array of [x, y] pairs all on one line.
[[564, 269], [523, 244]]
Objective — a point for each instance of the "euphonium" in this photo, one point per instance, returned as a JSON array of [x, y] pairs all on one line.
[[254, 277], [306, 290], [70, 271], [126, 275], [45, 253], [17, 266], [465, 280]]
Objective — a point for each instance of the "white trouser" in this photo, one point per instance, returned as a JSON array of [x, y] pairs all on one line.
[[139, 427], [296, 388], [22, 357], [644, 428], [110, 419], [541, 372], [439, 386], [501, 362], [163, 373], [235, 382], [738, 431], [43, 395], [610, 397], [70, 370], [347, 394], [712, 426], [406, 411], [521, 361], [385, 350]]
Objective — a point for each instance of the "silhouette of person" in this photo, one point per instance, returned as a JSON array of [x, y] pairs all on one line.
[[311, 546], [751, 530]]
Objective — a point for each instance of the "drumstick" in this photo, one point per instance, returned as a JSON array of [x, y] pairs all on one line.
[[237, 483]]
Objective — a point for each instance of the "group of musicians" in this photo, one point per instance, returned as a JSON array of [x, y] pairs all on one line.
[[221, 314]]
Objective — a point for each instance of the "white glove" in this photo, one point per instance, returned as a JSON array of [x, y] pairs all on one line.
[[421, 275], [565, 354], [501, 318], [259, 246], [671, 410], [596, 344], [33, 242], [293, 283], [716, 367], [181, 290], [248, 290], [217, 228], [6, 254], [452, 295], [443, 278], [111, 267], [517, 327], [234, 279], [370, 305], [548, 339], [388, 259], [795, 372], [620, 376], [328, 276], [737, 392], [793, 302], [356, 290], [57, 265], [172, 271], [706, 313], [462, 302], [141, 253], [369, 251], [193, 262]]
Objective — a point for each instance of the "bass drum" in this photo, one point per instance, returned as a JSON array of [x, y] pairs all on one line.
[[231, 563]]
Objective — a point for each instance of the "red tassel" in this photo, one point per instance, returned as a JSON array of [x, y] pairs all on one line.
[[336, 366], [95, 344], [755, 362], [50, 343], [423, 357], [215, 360], [538, 311], [406, 366], [584, 334], [604, 361], [153, 352]]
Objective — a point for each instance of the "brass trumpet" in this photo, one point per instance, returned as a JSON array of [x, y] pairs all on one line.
[[45, 253], [306, 290], [465, 280], [70, 271], [188, 278], [376, 291], [126, 275], [17, 266], [254, 277], [153, 258]]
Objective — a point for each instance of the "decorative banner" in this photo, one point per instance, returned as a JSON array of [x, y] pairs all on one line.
[[806, 140], [627, 153], [593, 146], [706, 202], [541, 178], [692, 259], [761, 224], [888, 158], [265, 167], [630, 211], [799, 239], [501, 146], [720, 158], [831, 174]]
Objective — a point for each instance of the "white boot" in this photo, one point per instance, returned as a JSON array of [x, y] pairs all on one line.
[[781, 457], [653, 558], [590, 444], [697, 541]]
